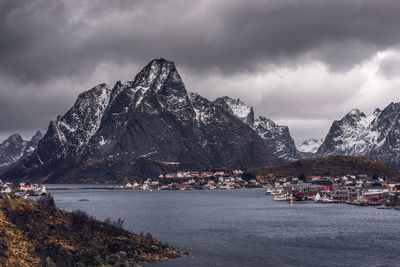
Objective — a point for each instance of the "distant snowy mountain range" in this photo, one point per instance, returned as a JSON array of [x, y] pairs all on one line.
[[310, 145], [375, 136], [152, 125]]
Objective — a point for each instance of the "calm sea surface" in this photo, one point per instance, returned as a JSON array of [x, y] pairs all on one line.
[[247, 228]]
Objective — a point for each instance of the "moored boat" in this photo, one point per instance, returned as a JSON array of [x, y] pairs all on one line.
[[281, 197]]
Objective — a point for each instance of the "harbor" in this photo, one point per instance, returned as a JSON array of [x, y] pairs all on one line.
[[359, 190], [245, 227]]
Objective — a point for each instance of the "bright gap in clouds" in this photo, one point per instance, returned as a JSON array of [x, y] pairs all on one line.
[[309, 97]]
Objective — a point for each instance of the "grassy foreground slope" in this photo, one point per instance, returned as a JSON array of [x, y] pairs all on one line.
[[332, 166], [37, 235]]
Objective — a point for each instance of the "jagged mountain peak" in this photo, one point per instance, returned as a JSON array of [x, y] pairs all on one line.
[[375, 136], [392, 107], [14, 138], [311, 145], [156, 74], [237, 108], [236, 101], [376, 112], [94, 92], [277, 138], [266, 123], [355, 112], [75, 128], [36, 137], [14, 149], [354, 115]]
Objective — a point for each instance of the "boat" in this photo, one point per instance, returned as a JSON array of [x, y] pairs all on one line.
[[383, 207], [318, 198], [281, 197], [326, 199], [269, 191], [43, 191], [360, 201]]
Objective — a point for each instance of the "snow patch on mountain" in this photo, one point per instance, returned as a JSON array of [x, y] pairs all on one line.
[[375, 136], [239, 108], [354, 134], [15, 149], [310, 145]]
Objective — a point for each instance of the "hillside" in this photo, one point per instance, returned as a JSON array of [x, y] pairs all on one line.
[[38, 235], [330, 165]]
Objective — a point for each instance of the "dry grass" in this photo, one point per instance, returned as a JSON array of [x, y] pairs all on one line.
[[33, 234]]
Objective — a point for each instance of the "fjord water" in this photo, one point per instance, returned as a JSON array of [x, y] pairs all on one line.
[[247, 228]]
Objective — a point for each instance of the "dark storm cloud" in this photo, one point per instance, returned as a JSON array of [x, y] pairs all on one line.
[[47, 38], [50, 50]]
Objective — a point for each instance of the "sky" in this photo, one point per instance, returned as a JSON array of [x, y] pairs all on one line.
[[300, 63]]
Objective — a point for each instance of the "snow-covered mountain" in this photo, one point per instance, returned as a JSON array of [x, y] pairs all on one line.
[[14, 149], [310, 145], [375, 136], [276, 137], [138, 128]]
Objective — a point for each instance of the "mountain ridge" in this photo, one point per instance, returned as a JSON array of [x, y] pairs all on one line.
[[276, 137], [14, 149], [108, 134], [375, 136]]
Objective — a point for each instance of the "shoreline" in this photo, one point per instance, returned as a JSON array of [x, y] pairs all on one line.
[[46, 235]]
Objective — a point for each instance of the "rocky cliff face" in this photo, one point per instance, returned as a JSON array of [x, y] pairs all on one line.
[[375, 136], [237, 108], [15, 149], [138, 128], [276, 137]]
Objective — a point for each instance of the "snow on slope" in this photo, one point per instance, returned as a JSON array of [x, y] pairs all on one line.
[[14, 149], [310, 145], [375, 136]]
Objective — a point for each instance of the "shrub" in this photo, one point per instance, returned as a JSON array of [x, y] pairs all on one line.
[[46, 201], [80, 220], [149, 235], [118, 223]]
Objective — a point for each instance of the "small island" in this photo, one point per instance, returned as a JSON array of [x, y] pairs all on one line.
[[39, 234]]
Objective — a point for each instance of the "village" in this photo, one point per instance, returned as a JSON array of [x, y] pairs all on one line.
[[194, 180], [8, 190], [360, 190]]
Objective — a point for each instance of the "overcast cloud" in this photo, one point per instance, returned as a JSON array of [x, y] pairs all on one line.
[[300, 63]]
